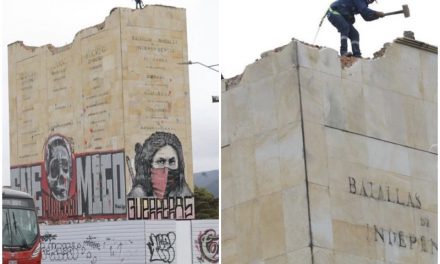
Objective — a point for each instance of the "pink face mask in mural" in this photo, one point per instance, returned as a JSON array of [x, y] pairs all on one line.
[[165, 159]]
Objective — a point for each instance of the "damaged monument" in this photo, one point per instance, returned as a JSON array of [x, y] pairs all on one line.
[[326, 161]]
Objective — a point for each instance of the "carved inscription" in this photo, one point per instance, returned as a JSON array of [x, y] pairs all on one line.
[[401, 239], [424, 222], [58, 104], [156, 63], [388, 236], [28, 125], [98, 103], [26, 79], [57, 74], [384, 193], [94, 57]]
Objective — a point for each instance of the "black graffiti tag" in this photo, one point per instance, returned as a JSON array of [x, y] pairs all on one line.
[[63, 251], [87, 251], [47, 237], [161, 247], [208, 245], [90, 242]]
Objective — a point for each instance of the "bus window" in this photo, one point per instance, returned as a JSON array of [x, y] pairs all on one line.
[[19, 228], [21, 235]]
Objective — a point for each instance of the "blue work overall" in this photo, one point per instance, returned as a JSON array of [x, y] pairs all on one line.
[[341, 14], [347, 31]]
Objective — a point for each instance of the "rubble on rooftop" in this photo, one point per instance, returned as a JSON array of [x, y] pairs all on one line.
[[408, 39]]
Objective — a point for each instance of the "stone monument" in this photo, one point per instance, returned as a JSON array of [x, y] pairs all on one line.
[[331, 163], [110, 110]]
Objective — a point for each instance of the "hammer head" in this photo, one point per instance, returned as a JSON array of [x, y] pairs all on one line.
[[405, 10]]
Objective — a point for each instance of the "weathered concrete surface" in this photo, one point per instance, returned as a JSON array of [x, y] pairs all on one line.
[[324, 162]]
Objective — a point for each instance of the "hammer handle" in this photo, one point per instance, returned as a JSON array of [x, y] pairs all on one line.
[[394, 13]]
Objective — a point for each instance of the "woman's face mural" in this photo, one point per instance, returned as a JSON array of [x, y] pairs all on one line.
[[164, 160], [160, 168], [166, 157]]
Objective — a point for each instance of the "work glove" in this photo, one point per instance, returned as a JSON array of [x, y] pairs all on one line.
[[380, 14]]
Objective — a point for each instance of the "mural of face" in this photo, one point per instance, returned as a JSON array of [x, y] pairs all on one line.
[[160, 168], [164, 160], [59, 173], [166, 157], [58, 167]]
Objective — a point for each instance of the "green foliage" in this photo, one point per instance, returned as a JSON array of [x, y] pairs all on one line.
[[206, 204]]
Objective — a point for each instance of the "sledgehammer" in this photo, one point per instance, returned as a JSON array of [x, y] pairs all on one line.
[[405, 11]]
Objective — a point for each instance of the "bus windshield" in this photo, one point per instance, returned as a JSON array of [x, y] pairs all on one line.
[[20, 228]]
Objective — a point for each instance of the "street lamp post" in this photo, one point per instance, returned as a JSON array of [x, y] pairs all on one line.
[[215, 98], [204, 65]]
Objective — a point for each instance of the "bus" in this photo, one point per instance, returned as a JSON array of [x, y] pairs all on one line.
[[21, 234]]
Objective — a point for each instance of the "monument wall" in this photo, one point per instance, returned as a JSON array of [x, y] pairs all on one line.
[[331, 163], [78, 112]]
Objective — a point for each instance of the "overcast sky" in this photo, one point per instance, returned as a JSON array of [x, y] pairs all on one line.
[[248, 28], [41, 22]]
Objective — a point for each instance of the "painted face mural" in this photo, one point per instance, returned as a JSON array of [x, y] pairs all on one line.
[[164, 161], [58, 163], [160, 168]]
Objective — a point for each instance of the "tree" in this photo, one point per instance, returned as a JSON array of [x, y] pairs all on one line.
[[206, 204]]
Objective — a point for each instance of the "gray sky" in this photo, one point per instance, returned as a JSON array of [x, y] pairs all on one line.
[[248, 28], [41, 22]]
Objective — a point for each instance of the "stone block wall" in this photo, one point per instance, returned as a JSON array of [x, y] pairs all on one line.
[[329, 164], [115, 85]]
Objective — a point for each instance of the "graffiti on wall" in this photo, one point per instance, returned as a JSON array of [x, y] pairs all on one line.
[[89, 249], [160, 168], [58, 164], [131, 242], [27, 178], [58, 182], [71, 186], [207, 245], [162, 247], [159, 182], [154, 208], [101, 184]]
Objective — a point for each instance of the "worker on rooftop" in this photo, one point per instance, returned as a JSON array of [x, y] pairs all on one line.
[[341, 15], [139, 3]]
